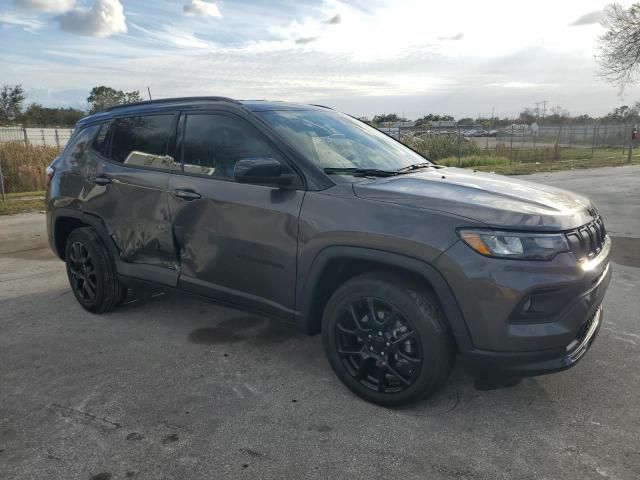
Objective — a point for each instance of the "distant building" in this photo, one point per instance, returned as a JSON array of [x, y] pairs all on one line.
[[444, 124]]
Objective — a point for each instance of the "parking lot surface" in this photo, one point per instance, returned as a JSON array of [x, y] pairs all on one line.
[[170, 387]]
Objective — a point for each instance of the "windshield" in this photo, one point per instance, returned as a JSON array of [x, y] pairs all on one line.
[[334, 140]]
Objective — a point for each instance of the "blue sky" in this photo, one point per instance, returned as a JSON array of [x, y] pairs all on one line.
[[363, 57]]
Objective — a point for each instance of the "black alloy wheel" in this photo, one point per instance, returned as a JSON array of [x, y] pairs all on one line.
[[378, 345], [92, 272], [83, 272], [386, 338]]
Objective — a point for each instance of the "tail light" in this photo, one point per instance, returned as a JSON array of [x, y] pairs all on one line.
[[50, 172]]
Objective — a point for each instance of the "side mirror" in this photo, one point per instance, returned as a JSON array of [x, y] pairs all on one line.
[[261, 170]]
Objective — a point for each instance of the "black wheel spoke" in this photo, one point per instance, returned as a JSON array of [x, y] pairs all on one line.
[[346, 330], [406, 357], [362, 370], [381, 379], [403, 338], [350, 353], [359, 330], [373, 317], [388, 320], [398, 375], [87, 288]]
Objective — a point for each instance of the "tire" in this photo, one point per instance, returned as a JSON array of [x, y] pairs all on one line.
[[91, 272], [404, 356]]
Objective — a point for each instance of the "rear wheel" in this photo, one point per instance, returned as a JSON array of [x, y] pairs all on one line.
[[386, 339], [91, 272]]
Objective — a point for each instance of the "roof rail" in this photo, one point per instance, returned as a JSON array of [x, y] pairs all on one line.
[[171, 100], [321, 106]]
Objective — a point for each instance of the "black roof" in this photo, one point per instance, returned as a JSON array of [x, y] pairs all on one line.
[[176, 103]]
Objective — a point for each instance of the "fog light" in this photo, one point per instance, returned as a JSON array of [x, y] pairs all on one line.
[[527, 305]]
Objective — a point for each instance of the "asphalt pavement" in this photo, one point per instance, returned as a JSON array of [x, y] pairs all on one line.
[[170, 387]]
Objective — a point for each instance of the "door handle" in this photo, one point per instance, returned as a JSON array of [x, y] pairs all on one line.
[[186, 194], [101, 180]]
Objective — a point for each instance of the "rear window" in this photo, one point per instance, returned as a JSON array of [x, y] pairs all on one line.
[[143, 141]]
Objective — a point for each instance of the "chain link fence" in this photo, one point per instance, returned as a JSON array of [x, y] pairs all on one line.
[[523, 147], [24, 155], [44, 137]]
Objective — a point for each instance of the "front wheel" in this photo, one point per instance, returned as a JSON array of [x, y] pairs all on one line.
[[386, 339]]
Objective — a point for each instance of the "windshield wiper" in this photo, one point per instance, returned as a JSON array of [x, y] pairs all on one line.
[[365, 172], [416, 166]]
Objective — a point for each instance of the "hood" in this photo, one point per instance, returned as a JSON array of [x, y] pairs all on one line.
[[496, 200]]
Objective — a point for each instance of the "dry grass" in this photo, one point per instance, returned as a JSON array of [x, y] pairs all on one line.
[[23, 166]]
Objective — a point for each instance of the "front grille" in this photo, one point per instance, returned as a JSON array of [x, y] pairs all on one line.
[[588, 240]]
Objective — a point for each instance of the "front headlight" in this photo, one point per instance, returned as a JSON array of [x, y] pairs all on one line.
[[517, 245]]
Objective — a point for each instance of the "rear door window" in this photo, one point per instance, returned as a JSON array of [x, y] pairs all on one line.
[[143, 141]]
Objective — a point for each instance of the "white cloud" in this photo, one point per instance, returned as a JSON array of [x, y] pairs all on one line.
[[49, 6], [202, 8], [28, 23], [104, 18]]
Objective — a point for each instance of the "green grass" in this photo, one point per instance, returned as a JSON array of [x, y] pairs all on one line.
[[35, 193], [531, 160], [11, 207]]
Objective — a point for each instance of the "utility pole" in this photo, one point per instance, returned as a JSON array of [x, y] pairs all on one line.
[[149, 91], [537, 109], [544, 108]]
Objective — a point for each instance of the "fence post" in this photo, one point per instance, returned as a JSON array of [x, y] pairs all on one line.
[[2, 182], [593, 139], [24, 134], [459, 147], [57, 138], [511, 151], [570, 133]]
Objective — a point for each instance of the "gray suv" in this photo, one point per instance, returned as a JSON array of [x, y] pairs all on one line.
[[306, 214]]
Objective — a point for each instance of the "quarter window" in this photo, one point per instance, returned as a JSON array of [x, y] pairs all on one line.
[[213, 144], [142, 141], [99, 143]]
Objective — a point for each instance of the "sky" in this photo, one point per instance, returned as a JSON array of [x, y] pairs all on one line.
[[410, 57]]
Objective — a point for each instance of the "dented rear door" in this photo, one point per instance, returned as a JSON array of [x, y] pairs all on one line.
[[127, 188]]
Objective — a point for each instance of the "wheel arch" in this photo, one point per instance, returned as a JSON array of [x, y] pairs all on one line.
[[335, 265], [65, 221]]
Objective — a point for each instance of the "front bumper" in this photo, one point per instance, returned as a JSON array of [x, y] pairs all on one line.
[[481, 363]]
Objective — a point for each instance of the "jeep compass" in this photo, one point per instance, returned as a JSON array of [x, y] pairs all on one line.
[[308, 215]]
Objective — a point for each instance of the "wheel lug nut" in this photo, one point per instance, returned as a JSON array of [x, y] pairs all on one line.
[[371, 348], [379, 334], [388, 344]]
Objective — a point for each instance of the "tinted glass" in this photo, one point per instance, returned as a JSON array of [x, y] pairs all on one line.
[[334, 140], [215, 143], [143, 141], [99, 143]]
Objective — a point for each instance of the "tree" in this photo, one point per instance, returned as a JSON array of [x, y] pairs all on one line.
[[11, 99], [389, 117], [38, 116], [103, 97], [619, 51]]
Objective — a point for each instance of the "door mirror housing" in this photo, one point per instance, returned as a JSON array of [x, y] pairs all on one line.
[[261, 170]]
